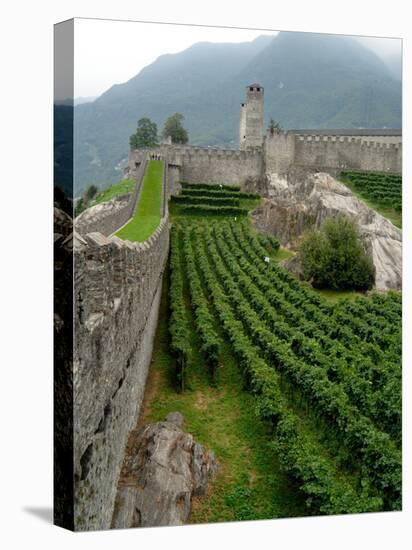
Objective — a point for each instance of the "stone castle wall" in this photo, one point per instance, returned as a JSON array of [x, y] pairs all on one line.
[[107, 220], [281, 152], [326, 153], [117, 292], [205, 165]]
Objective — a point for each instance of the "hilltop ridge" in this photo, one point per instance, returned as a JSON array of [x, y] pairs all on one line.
[[310, 80]]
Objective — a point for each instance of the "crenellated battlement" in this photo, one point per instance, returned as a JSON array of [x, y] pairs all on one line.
[[358, 141], [330, 152], [206, 164], [117, 284], [318, 150]]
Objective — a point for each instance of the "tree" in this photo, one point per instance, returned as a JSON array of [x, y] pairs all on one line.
[[80, 206], [274, 126], [174, 128], [90, 193], [145, 135], [84, 201], [334, 257]]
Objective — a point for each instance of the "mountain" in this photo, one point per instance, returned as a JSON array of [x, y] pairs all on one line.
[[394, 64], [83, 99], [310, 81], [62, 147]]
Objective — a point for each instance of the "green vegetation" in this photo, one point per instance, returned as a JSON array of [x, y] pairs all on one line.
[[205, 199], [123, 187], [323, 90], [86, 200], [250, 483], [93, 196], [335, 296], [326, 379], [145, 135], [147, 215], [299, 396], [334, 258], [209, 187], [269, 242], [283, 254], [190, 192], [174, 128], [274, 127], [212, 200], [90, 193], [207, 210], [382, 192]]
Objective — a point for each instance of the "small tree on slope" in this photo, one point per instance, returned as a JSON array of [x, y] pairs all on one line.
[[145, 135], [334, 257], [174, 128]]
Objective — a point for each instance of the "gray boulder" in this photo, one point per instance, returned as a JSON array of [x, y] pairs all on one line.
[[102, 209], [164, 468], [301, 200]]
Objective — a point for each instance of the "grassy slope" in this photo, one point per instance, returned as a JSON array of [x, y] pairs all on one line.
[[335, 296], [147, 216], [392, 215], [249, 483], [332, 296], [121, 188]]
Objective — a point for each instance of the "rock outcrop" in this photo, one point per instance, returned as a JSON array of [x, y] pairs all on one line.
[[303, 200], [105, 217], [164, 468], [103, 209]]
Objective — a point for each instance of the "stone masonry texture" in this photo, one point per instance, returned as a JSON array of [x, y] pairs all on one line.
[[117, 294]]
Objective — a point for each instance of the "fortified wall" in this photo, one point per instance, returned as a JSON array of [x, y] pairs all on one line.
[[261, 156], [106, 218], [281, 153], [117, 295], [117, 289], [203, 164], [284, 151]]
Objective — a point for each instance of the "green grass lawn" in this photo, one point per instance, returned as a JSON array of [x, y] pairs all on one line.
[[390, 213], [147, 216], [121, 188], [251, 204], [282, 254], [335, 296]]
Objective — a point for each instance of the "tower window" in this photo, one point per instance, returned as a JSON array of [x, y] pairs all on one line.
[[258, 89], [251, 88]]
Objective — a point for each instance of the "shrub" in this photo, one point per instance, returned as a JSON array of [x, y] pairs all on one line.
[[203, 210], [145, 135], [205, 200], [334, 257], [210, 186], [268, 242], [174, 128]]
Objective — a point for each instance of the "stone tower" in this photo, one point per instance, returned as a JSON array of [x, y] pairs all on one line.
[[251, 118]]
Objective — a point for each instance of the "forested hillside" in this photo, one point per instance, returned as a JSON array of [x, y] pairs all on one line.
[[310, 80]]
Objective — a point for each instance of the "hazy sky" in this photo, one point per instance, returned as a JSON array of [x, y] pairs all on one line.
[[111, 52]]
